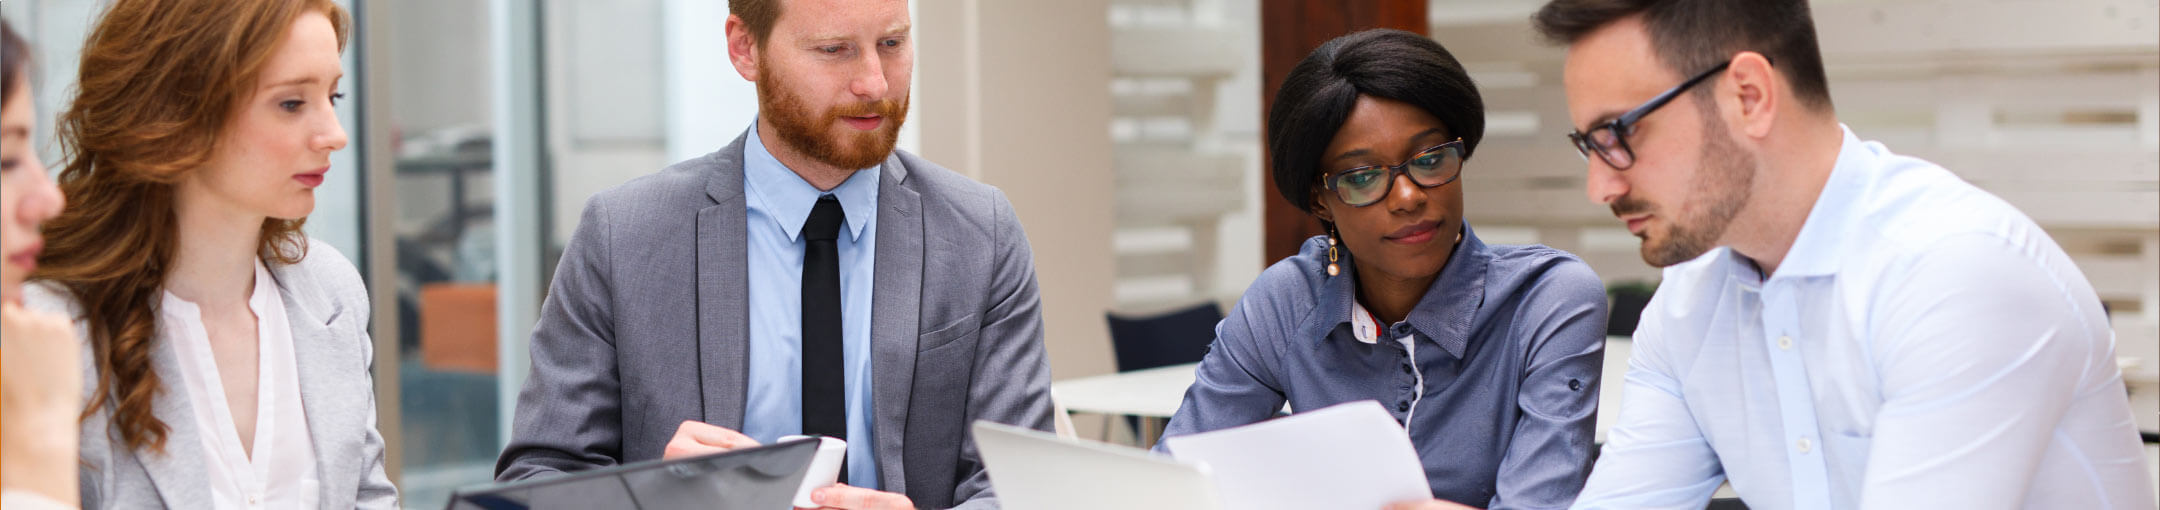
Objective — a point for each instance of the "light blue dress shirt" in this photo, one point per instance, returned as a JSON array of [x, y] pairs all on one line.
[[1923, 345], [779, 203]]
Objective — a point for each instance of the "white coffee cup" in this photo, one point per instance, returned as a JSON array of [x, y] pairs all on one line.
[[824, 468]]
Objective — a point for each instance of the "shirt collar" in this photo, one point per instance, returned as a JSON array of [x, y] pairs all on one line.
[[1444, 314], [788, 198], [1364, 326], [1816, 250], [264, 294]]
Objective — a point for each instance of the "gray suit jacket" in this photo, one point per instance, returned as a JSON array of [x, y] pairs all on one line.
[[647, 321], [327, 305]]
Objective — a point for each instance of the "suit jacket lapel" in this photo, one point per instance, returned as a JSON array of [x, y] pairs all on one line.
[[894, 316], [723, 283], [180, 472], [319, 359]]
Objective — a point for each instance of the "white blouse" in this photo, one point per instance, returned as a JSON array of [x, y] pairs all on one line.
[[282, 473]]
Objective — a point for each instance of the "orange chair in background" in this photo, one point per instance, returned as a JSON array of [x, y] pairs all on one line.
[[457, 327]]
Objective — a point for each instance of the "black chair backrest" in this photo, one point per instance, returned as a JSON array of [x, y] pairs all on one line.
[[1173, 338]]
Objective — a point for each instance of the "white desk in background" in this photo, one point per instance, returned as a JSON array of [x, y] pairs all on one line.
[[1152, 395]]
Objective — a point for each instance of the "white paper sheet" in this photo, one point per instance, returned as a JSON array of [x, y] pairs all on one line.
[[1350, 456]]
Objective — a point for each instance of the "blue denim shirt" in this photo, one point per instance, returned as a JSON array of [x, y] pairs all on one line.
[[1510, 342]]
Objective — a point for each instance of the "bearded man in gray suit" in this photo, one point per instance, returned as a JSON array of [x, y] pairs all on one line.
[[807, 278]]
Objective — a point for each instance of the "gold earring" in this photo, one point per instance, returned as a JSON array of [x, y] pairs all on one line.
[[1332, 269]]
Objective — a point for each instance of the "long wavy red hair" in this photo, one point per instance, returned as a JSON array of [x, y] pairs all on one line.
[[159, 82]]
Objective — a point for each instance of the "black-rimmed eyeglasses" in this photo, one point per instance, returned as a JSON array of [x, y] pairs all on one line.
[[1609, 140], [1430, 168]]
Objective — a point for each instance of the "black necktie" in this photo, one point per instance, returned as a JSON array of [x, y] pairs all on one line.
[[824, 388]]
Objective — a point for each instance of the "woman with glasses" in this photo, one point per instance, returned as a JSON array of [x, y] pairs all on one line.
[[1488, 355]]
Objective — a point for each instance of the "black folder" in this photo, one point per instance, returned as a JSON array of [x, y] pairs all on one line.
[[760, 478]]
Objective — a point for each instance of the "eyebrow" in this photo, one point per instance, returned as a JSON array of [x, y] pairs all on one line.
[[294, 81], [896, 29], [21, 131], [1602, 119], [1359, 153], [305, 80]]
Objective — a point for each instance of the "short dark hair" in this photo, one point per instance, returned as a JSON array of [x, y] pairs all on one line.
[[1694, 35], [757, 15], [1317, 96], [14, 59]]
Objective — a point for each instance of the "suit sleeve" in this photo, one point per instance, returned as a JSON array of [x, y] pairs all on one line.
[[1017, 387], [568, 416]]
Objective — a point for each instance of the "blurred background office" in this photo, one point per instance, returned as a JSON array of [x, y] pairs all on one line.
[[1127, 134]]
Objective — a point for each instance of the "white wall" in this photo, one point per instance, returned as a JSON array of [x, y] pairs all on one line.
[[1017, 95], [445, 44], [607, 96], [708, 104]]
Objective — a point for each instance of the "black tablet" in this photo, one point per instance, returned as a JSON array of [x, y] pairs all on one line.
[[761, 478]]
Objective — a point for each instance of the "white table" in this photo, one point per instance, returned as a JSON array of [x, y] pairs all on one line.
[[1152, 394]]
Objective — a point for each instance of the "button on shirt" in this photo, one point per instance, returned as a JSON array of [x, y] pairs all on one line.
[[779, 202], [1924, 345], [282, 472], [1496, 383]]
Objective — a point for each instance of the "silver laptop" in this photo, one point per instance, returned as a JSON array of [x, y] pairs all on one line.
[[1035, 470]]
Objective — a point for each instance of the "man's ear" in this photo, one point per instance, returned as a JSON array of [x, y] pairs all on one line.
[[1752, 85], [742, 48]]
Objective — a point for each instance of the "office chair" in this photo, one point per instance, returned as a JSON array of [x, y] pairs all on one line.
[[1173, 338]]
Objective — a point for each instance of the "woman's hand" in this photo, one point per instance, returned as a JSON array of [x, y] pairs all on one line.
[[40, 398]]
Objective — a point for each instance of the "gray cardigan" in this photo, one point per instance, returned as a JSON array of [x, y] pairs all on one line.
[[327, 305]]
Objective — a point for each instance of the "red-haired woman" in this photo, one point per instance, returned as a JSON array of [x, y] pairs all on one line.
[[229, 352]]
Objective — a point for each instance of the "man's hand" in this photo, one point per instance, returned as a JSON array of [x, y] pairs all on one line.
[[1430, 504], [694, 438], [841, 496]]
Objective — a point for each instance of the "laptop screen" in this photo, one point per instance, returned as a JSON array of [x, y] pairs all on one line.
[[761, 478]]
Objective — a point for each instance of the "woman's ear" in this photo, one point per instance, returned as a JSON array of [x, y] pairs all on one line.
[[1320, 207]]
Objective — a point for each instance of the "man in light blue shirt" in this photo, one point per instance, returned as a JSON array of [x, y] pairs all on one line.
[[779, 204], [1839, 326], [806, 278]]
